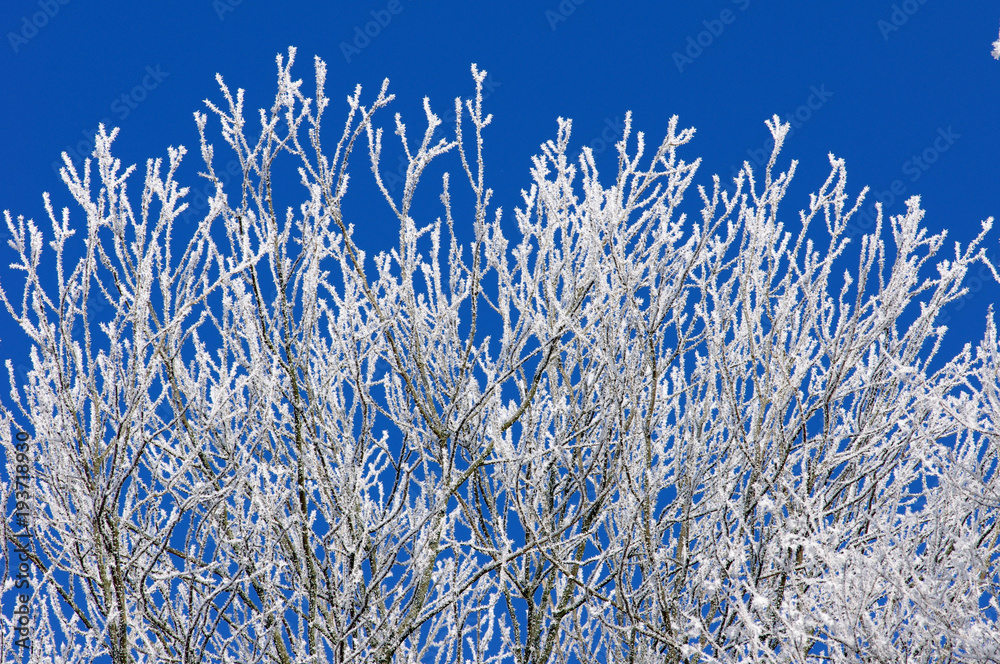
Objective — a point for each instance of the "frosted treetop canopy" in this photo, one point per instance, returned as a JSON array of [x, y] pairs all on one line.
[[621, 423]]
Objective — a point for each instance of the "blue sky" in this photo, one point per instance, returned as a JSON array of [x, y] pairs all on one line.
[[906, 92]]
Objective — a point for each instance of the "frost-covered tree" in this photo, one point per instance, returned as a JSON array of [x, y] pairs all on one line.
[[605, 432]]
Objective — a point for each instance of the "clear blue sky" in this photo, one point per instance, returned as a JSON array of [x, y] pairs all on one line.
[[907, 92], [877, 83]]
